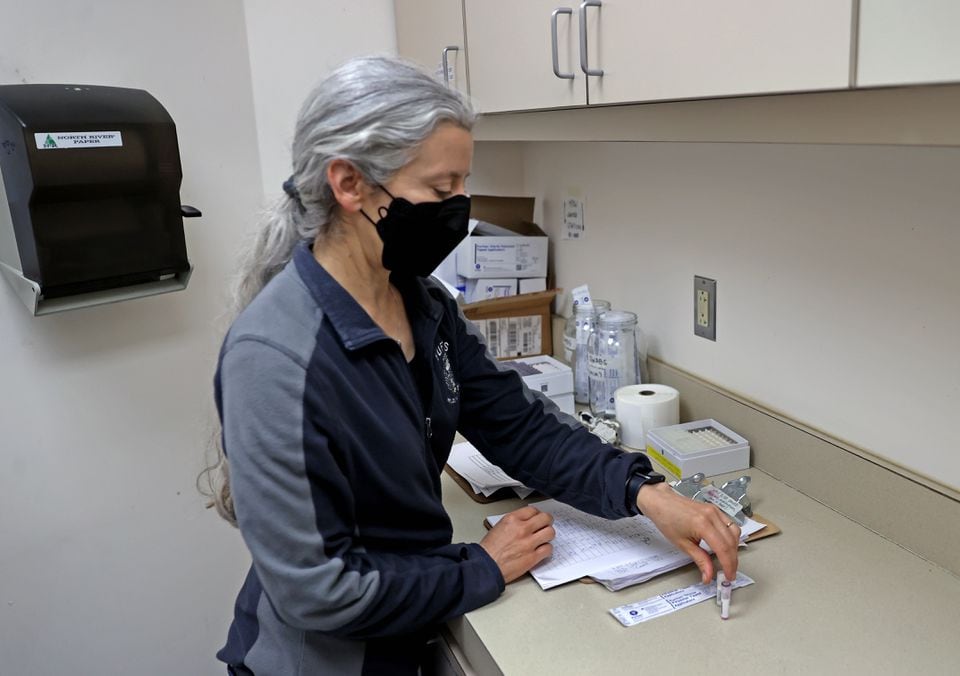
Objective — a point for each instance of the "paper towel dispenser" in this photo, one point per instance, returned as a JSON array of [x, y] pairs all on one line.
[[90, 207]]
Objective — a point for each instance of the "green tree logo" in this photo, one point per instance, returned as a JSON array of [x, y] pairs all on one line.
[[49, 143]]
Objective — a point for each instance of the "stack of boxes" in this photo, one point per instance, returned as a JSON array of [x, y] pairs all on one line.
[[501, 269], [506, 252]]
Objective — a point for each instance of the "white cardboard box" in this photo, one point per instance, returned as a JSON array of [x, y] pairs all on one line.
[[487, 288], [505, 243], [532, 285], [699, 446], [549, 376]]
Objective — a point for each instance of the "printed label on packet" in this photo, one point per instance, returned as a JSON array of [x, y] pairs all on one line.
[[727, 504], [581, 296], [664, 604]]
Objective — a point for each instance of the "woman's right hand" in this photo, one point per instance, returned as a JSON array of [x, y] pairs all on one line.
[[519, 541]]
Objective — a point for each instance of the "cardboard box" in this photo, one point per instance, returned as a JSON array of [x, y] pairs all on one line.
[[476, 290], [548, 376], [506, 242], [516, 326]]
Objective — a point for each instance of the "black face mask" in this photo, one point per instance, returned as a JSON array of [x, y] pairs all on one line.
[[417, 237]]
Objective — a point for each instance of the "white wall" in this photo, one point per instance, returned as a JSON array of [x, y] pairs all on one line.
[[109, 562], [293, 43], [836, 269]]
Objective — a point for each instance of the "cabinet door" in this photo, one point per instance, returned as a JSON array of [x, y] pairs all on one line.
[[908, 42], [425, 28], [678, 49], [511, 54]]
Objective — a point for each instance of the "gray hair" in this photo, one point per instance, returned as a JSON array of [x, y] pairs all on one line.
[[372, 111]]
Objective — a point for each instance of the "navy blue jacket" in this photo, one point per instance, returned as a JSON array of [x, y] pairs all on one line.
[[336, 445]]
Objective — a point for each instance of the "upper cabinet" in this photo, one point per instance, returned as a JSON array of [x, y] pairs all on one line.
[[681, 49], [431, 33], [908, 42], [536, 54], [524, 55]]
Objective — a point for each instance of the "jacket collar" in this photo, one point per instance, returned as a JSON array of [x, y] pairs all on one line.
[[351, 322]]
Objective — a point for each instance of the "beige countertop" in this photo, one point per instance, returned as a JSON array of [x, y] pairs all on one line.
[[830, 597]]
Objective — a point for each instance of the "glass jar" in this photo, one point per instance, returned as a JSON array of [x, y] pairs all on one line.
[[578, 328], [613, 359]]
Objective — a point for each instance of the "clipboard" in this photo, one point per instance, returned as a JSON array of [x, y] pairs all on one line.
[[769, 528]]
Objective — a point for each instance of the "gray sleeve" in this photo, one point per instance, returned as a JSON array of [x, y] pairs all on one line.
[[265, 442], [295, 509]]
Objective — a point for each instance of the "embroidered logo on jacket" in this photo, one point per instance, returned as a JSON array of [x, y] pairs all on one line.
[[449, 380]]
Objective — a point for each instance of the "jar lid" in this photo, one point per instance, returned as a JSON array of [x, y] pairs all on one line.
[[597, 306], [617, 319]]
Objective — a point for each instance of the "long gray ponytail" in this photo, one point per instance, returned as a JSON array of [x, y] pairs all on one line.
[[372, 111]]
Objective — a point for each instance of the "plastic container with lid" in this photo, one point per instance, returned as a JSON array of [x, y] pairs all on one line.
[[613, 359], [577, 330]]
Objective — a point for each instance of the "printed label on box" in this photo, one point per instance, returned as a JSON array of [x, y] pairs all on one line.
[[494, 256], [500, 290], [54, 140], [512, 336], [526, 257]]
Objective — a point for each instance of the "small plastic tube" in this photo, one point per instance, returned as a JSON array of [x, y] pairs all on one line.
[[721, 578], [725, 589]]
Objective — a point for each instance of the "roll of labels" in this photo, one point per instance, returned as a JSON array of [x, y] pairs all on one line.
[[641, 408]]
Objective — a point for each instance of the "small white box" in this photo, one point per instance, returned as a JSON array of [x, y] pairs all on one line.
[[483, 254], [699, 446], [548, 376], [485, 289], [532, 285]]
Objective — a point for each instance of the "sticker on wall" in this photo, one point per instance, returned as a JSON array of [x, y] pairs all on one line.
[[56, 140]]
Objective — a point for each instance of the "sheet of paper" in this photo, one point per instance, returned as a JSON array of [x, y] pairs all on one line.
[[659, 562], [482, 475], [573, 224], [612, 551]]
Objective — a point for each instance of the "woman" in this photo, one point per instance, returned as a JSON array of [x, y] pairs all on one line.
[[343, 380]]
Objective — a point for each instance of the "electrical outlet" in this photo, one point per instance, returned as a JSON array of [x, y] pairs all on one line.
[[705, 307]]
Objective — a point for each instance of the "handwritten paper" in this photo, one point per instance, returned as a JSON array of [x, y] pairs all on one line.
[[616, 553]]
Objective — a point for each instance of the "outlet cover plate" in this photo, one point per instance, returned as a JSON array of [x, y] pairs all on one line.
[[705, 307]]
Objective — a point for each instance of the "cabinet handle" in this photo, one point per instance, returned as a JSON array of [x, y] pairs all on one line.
[[583, 37], [443, 62], [553, 42]]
